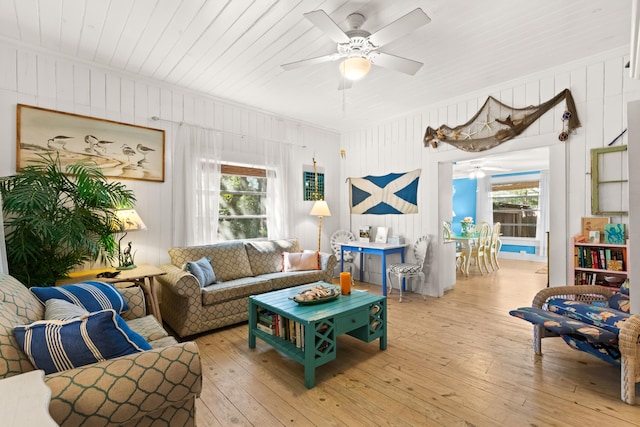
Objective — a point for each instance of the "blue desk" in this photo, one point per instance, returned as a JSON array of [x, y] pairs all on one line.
[[382, 249]]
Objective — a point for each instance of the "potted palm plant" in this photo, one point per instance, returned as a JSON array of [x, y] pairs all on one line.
[[57, 218]]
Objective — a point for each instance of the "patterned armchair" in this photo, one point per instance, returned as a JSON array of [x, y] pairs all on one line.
[[593, 319], [153, 387]]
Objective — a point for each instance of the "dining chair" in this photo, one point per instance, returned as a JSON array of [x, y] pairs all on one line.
[[479, 249], [343, 236], [494, 246], [406, 271], [447, 233]]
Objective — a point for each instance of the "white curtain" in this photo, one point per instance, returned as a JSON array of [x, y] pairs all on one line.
[[484, 204], [4, 266], [276, 158], [634, 63], [542, 225], [196, 185]]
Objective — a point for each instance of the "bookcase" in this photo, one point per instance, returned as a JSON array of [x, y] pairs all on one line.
[[600, 263]]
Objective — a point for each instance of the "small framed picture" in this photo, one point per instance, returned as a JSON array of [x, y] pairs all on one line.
[[365, 233], [593, 224], [381, 234], [594, 236]]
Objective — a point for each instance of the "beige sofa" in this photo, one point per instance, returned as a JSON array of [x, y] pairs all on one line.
[[242, 269], [153, 387]]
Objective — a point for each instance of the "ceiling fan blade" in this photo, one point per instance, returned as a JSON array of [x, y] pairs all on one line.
[[399, 27], [311, 61], [404, 65], [320, 19], [495, 169]]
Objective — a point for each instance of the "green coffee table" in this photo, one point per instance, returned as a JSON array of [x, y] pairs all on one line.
[[361, 315]]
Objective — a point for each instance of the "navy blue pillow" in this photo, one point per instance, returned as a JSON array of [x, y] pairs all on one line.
[[203, 271], [90, 295], [58, 345]]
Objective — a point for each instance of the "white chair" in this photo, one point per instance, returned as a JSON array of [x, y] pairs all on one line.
[[479, 250], [494, 246], [405, 271], [343, 236], [460, 256]]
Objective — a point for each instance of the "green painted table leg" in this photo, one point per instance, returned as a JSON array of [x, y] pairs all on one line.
[[253, 322], [383, 338], [309, 355]]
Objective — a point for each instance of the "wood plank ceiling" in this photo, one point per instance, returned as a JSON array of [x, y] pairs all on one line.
[[233, 49]]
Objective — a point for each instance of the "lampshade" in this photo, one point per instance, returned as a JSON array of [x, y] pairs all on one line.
[[129, 220], [320, 208], [355, 68]]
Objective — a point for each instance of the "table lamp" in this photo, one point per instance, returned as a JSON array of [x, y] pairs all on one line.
[[128, 220], [320, 209]]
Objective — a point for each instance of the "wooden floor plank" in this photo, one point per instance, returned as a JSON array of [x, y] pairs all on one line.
[[459, 360]]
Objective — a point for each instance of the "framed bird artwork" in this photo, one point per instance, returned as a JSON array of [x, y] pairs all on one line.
[[121, 150]]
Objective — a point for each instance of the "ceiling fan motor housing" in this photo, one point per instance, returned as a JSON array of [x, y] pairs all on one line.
[[359, 45]]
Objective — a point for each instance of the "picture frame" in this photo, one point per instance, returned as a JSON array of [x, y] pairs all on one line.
[[365, 233], [615, 234], [121, 150], [381, 234], [596, 223]]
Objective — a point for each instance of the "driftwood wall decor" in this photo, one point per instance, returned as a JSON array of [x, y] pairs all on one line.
[[496, 123]]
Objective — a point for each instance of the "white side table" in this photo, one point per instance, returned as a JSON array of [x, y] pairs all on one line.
[[24, 401]]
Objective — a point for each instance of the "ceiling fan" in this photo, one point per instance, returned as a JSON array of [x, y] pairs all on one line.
[[359, 49], [477, 169]]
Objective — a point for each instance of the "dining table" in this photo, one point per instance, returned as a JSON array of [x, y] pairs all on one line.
[[466, 241]]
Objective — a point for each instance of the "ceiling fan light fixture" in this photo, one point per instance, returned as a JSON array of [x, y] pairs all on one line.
[[477, 173], [355, 68]]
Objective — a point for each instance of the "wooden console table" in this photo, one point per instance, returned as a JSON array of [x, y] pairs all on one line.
[[361, 315], [143, 275], [24, 401]]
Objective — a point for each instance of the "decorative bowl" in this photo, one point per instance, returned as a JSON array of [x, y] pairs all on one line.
[[614, 280]]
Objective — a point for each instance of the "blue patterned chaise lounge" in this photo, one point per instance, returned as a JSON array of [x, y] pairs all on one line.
[[154, 387], [589, 318], [241, 269]]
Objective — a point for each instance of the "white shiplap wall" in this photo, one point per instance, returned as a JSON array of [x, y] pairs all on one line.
[[40, 79], [601, 88]]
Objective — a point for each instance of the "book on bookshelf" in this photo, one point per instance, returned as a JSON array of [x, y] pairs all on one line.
[[265, 328]]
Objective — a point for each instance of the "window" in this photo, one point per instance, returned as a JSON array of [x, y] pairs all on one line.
[[515, 206], [242, 213], [309, 183]]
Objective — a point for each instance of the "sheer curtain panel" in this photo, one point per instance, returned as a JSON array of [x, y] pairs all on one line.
[[277, 159], [484, 204], [196, 185]]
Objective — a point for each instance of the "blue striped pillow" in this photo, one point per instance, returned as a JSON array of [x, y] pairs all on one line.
[[58, 345], [59, 309], [90, 295]]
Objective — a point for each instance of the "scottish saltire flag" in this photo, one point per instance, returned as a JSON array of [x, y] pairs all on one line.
[[396, 193]]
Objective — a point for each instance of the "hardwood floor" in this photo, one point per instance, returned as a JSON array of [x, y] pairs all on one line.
[[460, 360]]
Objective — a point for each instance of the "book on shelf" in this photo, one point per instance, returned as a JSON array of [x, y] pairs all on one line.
[[265, 328], [599, 258]]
